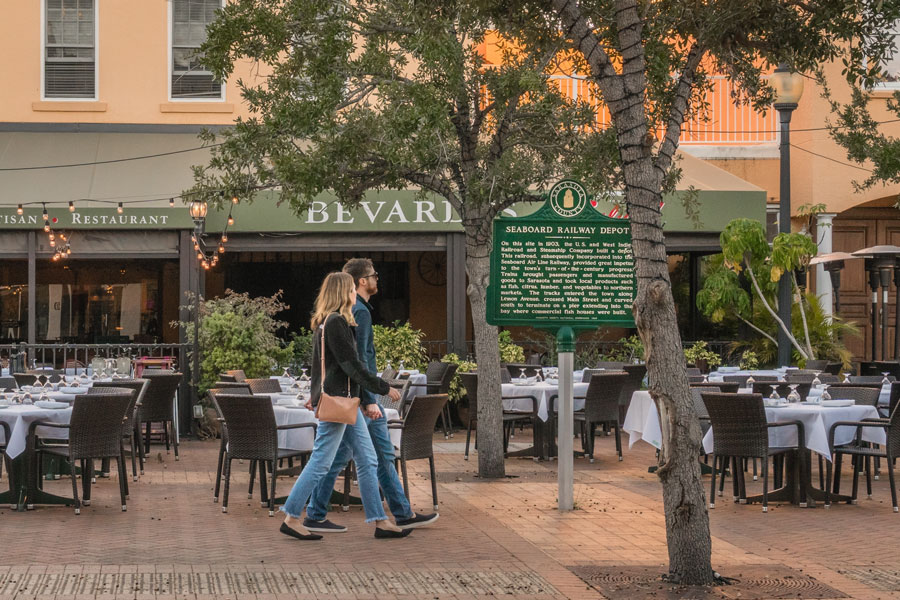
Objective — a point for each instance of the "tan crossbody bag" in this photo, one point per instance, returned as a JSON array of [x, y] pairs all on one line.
[[335, 409]]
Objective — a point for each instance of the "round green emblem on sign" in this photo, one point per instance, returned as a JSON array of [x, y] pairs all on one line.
[[568, 198]]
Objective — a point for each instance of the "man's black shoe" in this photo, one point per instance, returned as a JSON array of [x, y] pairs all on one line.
[[415, 521], [387, 533], [325, 526]]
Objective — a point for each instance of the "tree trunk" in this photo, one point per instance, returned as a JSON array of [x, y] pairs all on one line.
[[687, 520], [487, 350]]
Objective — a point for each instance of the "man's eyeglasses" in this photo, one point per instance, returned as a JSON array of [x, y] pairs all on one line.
[[375, 275]]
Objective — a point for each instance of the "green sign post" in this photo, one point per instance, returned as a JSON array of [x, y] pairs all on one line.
[[566, 267]]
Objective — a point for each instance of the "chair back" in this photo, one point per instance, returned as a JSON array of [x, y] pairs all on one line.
[[609, 365], [894, 398], [8, 382], [586, 374], [765, 388], [418, 426], [816, 365], [694, 372], [601, 401], [234, 387], [871, 379], [829, 378], [139, 386], [742, 379], [24, 379], [867, 396], [389, 374], [402, 386], [515, 368], [635, 380], [96, 424], [470, 383], [738, 423], [893, 433], [504, 375], [877, 367], [799, 377], [158, 397], [699, 405], [238, 374], [250, 422], [725, 387], [227, 377], [435, 371], [263, 386], [695, 378], [447, 378], [834, 367]]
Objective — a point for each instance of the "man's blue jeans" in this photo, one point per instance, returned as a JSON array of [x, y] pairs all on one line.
[[387, 474], [329, 437]]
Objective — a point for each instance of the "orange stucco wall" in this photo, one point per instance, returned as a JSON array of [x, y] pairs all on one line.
[[132, 84]]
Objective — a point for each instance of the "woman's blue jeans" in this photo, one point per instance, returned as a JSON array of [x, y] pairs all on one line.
[[328, 439]]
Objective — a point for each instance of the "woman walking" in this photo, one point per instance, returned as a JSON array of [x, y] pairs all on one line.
[[343, 375]]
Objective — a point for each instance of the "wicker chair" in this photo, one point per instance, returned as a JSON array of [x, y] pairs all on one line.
[[694, 372], [402, 386], [877, 367], [253, 435], [24, 379], [227, 377], [695, 379], [742, 379], [601, 407], [504, 375], [718, 386], [740, 431], [635, 380], [862, 451], [264, 386], [389, 374], [871, 379], [586, 374], [418, 432], [7, 382], [816, 365], [700, 406], [862, 395], [158, 405], [470, 383], [238, 374], [235, 387], [798, 377], [441, 385], [95, 432], [131, 429], [609, 365]]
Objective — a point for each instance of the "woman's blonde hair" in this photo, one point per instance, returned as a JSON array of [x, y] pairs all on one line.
[[334, 296]]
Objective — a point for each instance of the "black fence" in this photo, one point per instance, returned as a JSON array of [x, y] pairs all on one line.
[[78, 356]]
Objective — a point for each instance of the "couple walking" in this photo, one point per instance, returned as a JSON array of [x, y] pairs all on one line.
[[342, 309]]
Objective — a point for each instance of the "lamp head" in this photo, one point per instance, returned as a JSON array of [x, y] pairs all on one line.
[[198, 210], [788, 86]]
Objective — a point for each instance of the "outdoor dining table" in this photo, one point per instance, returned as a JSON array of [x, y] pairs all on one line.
[[642, 423], [517, 397], [19, 417]]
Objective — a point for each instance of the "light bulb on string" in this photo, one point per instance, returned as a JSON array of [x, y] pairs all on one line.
[[56, 257], [52, 243], [199, 256], [171, 202], [120, 208], [19, 210], [224, 237], [235, 199], [221, 249], [230, 220], [45, 215], [71, 206], [206, 265], [46, 227], [68, 250], [52, 237]]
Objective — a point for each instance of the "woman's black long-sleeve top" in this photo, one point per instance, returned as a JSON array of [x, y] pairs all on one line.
[[341, 362]]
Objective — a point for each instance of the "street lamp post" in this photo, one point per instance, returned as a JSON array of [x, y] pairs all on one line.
[[198, 211], [788, 89]]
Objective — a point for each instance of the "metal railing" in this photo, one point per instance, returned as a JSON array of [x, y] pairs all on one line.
[[77, 356], [722, 123]]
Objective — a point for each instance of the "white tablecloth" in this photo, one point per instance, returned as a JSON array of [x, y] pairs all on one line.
[[302, 439], [642, 420], [19, 417], [817, 422], [542, 392], [718, 375]]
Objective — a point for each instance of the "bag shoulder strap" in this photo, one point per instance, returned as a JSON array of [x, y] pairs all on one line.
[[322, 357]]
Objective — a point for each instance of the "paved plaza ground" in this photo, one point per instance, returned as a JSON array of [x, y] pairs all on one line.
[[494, 538]]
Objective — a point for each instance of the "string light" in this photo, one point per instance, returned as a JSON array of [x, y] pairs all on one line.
[[199, 256], [119, 208], [46, 227], [235, 199], [171, 202], [230, 220], [19, 210], [71, 206], [224, 237], [68, 250], [221, 249], [45, 214]]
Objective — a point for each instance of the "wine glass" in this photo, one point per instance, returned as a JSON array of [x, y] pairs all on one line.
[[750, 381], [846, 377], [793, 396], [522, 375], [825, 395], [816, 380], [705, 378], [885, 381], [774, 395], [401, 364]]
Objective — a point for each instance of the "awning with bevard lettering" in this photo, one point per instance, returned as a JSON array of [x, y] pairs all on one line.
[[89, 170]]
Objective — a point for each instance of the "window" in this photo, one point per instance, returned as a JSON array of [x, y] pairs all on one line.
[[70, 47], [891, 66], [189, 20]]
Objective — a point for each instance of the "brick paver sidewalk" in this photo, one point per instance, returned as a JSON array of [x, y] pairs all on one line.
[[500, 538]]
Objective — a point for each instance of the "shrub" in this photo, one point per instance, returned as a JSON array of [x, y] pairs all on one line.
[[457, 391], [400, 342], [510, 352]]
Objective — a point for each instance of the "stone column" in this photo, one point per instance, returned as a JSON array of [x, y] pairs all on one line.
[[824, 229]]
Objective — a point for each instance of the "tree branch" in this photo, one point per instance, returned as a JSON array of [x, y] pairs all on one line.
[[434, 184], [758, 330], [679, 107], [803, 315], [577, 29], [775, 316]]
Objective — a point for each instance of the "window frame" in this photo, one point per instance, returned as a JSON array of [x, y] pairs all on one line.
[[96, 96], [890, 86], [171, 67]]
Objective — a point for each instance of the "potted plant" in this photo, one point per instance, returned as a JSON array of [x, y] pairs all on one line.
[[702, 357]]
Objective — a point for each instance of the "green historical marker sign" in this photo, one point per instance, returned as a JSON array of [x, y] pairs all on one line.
[[565, 265]]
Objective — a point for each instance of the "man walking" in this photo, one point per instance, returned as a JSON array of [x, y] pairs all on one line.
[[366, 278]]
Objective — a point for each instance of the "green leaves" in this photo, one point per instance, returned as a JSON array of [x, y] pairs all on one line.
[[791, 251], [744, 241], [723, 296], [400, 342]]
